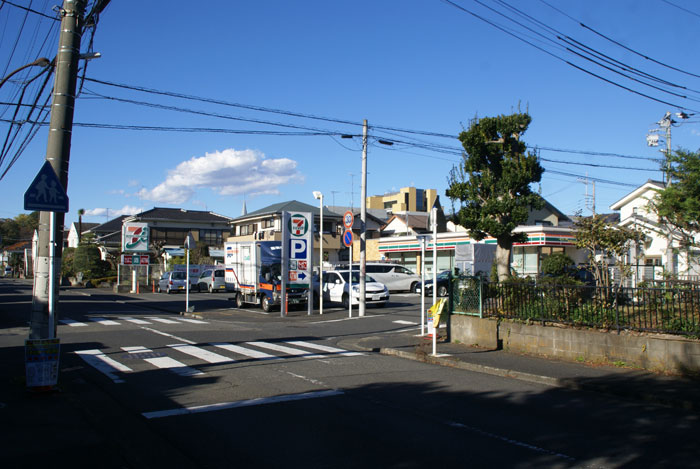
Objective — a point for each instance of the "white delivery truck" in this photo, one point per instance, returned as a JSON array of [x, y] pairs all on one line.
[[254, 274]]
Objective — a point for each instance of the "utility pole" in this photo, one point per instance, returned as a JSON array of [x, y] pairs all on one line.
[[363, 220], [58, 154], [589, 200]]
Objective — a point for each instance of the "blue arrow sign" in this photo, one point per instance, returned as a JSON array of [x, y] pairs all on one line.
[[46, 193], [302, 275]]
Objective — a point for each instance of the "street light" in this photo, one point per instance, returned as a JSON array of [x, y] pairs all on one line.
[[40, 62], [319, 195]]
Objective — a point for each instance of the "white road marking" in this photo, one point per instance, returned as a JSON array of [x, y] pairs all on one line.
[[165, 363], [72, 323], [135, 320], [104, 322], [407, 323], [288, 350], [206, 355], [509, 440], [163, 320], [97, 359], [244, 403], [193, 321], [156, 331], [324, 348], [245, 351], [349, 319]]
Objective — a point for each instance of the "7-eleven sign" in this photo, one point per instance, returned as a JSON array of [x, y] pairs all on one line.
[[298, 225]]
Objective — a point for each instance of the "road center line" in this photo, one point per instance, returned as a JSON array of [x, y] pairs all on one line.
[[156, 331], [244, 403]]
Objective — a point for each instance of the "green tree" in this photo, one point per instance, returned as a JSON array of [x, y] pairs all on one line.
[[493, 183], [86, 259], [81, 212], [20, 228], [678, 205], [603, 240], [556, 264]]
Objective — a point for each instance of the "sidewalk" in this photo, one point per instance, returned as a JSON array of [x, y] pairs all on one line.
[[674, 391]]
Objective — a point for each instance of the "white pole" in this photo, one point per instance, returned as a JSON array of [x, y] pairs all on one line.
[[187, 282], [350, 284], [320, 263], [422, 286], [436, 324], [52, 277]]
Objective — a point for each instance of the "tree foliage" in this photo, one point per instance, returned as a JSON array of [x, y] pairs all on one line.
[[86, 259], [603, 240], [20, 228], [678, 205], [556, 264], [492, 184]]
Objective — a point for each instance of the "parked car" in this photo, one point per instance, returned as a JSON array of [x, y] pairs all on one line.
[[171, 282], [396, 277], [212, 280], [443, 284], [8, 271], [336, 286]]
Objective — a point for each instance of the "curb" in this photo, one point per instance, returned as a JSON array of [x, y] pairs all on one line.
[[564, 383]]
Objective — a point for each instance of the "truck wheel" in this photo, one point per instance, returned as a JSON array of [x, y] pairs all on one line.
[[346, 301], [266, 306], [239, 301]]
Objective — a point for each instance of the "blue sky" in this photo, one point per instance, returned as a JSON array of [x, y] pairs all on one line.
[[414, 65]]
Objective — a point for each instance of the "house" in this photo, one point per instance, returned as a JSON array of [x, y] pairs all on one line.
[[265, 224], [656, 255], [168, 227], [407, 199], [74, 232]]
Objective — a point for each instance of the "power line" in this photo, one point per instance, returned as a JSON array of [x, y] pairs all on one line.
[[31, 11]]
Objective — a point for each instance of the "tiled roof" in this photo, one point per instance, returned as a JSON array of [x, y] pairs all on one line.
[[288, 206], [180, 214]]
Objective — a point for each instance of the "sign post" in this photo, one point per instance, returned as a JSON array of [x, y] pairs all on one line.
[[296, 253], [46, 194], [347, 241], [189, 244]]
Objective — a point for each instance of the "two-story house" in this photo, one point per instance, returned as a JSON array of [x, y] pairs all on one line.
[[651, 259], [265, 224]]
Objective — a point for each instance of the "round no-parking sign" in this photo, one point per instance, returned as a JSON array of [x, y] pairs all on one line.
[[347, 238]]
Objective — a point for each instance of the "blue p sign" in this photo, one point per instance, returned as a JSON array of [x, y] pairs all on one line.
[[297, 249]]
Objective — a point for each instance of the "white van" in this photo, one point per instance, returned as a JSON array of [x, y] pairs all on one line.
[[396, 277]]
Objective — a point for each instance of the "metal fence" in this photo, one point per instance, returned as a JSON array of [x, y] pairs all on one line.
[[668, 310]]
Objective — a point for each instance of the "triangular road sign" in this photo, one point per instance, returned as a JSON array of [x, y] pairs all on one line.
[[46, 193]]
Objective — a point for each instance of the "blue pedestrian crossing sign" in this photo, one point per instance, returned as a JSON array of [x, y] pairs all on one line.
[[46, 193]]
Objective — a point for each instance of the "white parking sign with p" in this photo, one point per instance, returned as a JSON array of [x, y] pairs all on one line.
[[297, 249]]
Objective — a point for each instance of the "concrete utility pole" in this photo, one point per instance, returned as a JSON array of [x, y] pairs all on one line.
[[363, 224], [58, 154]]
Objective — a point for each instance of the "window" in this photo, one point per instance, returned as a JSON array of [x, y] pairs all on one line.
[[211, 237], [247, 229], [269, 223], [171, 236]]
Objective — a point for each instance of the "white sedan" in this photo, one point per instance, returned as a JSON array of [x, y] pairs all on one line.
[[335, 288]]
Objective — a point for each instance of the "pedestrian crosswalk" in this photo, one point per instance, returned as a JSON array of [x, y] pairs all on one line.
[[140, 358], [123, 320]]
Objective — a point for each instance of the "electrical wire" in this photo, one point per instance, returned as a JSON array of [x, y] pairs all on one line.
[[29, 10]]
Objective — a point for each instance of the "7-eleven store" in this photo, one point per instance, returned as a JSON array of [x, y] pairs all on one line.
[[526, 258]]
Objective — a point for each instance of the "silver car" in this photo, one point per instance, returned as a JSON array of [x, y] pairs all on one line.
[[212, 280], [171, 282], [336, 287]]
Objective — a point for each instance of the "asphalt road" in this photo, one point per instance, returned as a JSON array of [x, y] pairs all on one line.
[[240, 388]]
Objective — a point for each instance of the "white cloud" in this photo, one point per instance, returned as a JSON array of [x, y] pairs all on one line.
[[228, 172], [113, 213]]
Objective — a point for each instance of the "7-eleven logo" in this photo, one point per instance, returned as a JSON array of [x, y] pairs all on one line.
[[298, 225]]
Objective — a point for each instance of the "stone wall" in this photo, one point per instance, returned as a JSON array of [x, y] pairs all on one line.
[[649, 351]]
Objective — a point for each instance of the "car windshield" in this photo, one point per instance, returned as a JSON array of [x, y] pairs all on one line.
[[179, 276], [355, 277]]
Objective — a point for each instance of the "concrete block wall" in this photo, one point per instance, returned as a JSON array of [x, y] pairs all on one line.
[[648, 351]]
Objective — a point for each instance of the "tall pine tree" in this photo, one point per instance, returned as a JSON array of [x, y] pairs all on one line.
[[493, 183]]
